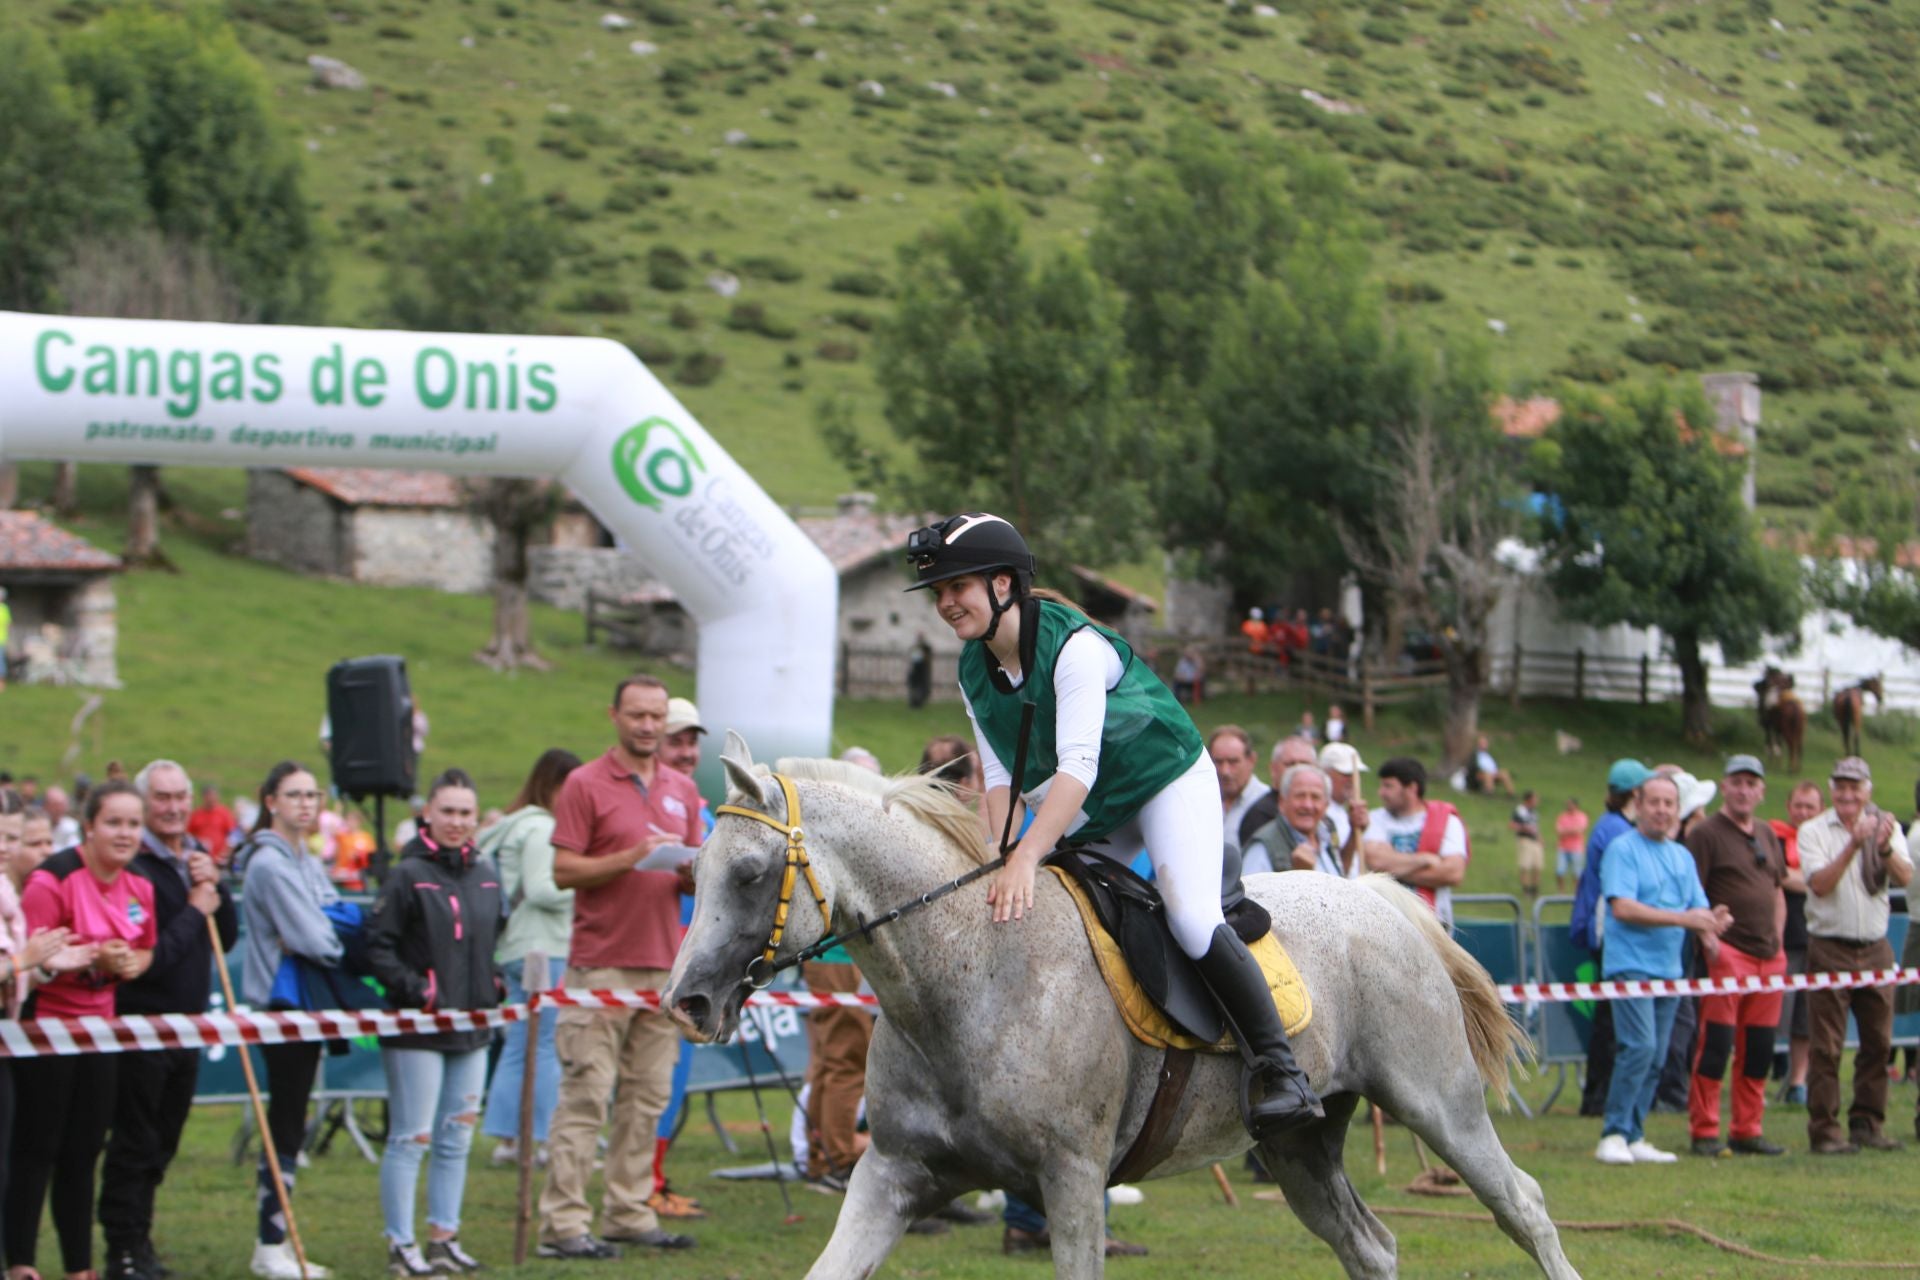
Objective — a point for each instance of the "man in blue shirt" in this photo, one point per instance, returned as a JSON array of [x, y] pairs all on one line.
[[1653, 899], [1623, 780]]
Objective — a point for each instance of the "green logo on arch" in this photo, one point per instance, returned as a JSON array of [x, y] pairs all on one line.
[[665, 471]]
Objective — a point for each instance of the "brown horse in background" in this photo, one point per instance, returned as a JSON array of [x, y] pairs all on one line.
[[1848, 711], [1782, 717]]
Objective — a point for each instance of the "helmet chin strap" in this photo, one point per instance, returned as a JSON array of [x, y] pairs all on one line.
[[1029, 618], [997, 605]]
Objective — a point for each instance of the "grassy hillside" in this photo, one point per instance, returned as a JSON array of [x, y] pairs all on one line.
[[1604, 190]]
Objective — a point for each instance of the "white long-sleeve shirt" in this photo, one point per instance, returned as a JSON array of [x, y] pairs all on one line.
[[1088, 666]]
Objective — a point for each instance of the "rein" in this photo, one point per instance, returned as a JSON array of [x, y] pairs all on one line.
[[764, 968]]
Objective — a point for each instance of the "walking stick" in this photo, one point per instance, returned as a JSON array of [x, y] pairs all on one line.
[[523, 1210], [259, 1107], [1226, 1188], [1379, 1138]]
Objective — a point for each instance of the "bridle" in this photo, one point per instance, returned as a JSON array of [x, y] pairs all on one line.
[[761, 972], [763, 968]]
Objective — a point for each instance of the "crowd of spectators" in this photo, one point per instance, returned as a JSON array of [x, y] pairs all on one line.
[[115, 897]]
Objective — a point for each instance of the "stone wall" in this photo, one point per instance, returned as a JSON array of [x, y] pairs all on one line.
[[877, 611], [562, 576], [296, 527], [438, 547], [65, 633]]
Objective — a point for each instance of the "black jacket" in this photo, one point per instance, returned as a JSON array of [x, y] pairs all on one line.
[[432, 937], [181, 975]]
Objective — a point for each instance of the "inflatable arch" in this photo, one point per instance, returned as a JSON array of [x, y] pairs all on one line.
[[582, 410]]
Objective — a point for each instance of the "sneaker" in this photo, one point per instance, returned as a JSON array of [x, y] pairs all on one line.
[[654, 1239], [1756, 1146], [580, 1248], [1019, 1240], [149, 1259], [1125, 1249], [1877, 1142], [406, 1260], [450, 1257], [1613, 1149], [668, 1203], [505, 1151], [831, 1184], [124, 1264], [1708, 1147], [1645, 1152], [1795, 1096], [958, 1211], [277, 1262]]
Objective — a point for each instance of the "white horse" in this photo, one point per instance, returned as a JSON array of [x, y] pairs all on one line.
[[1000, 1060]]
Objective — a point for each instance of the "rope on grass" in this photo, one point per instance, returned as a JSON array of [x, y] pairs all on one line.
[[1675, 1225]]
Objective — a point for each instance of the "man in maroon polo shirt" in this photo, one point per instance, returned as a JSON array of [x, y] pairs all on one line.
[[609, 817]]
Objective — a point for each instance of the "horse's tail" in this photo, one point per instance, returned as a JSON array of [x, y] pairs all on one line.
[[1499, 1045]]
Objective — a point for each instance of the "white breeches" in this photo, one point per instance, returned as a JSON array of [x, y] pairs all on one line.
[[1181, 831]]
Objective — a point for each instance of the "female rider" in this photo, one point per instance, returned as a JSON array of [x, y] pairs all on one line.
[[1119, 765]]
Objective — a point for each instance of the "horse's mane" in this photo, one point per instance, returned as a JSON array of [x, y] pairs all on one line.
[[924, 798]]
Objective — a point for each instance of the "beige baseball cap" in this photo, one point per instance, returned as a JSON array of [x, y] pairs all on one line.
[[682, 715], [1342, 757]]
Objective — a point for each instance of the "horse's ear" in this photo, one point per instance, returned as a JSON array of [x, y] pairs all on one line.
[[743, 784]]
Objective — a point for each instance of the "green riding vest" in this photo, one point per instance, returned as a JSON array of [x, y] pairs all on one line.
[[1148, 739]]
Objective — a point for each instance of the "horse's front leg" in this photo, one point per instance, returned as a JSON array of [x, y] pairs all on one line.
[[883, 1197], [1075, 1190]]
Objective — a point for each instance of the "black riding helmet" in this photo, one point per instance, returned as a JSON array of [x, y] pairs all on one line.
[[972, 542]]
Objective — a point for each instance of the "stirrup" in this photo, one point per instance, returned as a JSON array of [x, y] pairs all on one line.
[[1263, 1128]]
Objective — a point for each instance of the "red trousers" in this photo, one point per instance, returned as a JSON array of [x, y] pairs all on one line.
[[1740, 1026]]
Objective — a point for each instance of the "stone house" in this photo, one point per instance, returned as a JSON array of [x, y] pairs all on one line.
[[385, 528], [879, 621], [60, 591]]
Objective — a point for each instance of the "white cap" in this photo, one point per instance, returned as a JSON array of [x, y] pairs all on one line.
[[1694, 793], [1342, 757], [682, 715]]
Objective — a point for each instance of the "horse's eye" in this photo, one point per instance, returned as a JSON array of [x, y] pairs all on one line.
[[750, 869]]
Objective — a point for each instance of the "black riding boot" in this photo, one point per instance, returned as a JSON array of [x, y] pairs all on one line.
[[1237, 982]]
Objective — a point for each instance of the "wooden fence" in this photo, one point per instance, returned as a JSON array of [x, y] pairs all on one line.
[[1362, 688]]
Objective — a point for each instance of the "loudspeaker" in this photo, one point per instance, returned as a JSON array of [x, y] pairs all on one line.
[[371, 710]]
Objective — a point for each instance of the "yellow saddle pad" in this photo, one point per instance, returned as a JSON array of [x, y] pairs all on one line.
[[1143, 1017]]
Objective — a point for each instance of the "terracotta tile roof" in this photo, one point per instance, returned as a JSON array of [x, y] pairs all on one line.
[[29, 543], [1525, 419], [1113, 585], [854, 539], [371, 487]]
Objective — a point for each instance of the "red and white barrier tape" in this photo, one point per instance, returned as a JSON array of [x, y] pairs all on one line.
[[64, 1037], [583, 998], [1565, 992]]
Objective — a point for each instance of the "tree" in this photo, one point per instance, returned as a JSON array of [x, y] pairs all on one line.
[[61, 176], [216, 168], [1430, 542], [1650, 530], [1003, 372], [1870, 577], [144, 275], [1256, 337], [478, 260]]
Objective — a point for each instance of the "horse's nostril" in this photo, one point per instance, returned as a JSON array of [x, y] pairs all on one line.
[[694, 1009]]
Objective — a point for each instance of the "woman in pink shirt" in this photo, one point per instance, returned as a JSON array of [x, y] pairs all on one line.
[[21, 955], [66, 1103]]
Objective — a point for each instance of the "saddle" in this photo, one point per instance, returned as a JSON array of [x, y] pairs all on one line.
[[1157, 989]]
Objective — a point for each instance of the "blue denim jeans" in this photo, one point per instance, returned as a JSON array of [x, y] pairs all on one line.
[[433, 1100], [1641, 1029], [503, 1096]]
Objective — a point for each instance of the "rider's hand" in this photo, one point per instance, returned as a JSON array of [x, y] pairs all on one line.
[[1010, 890]]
